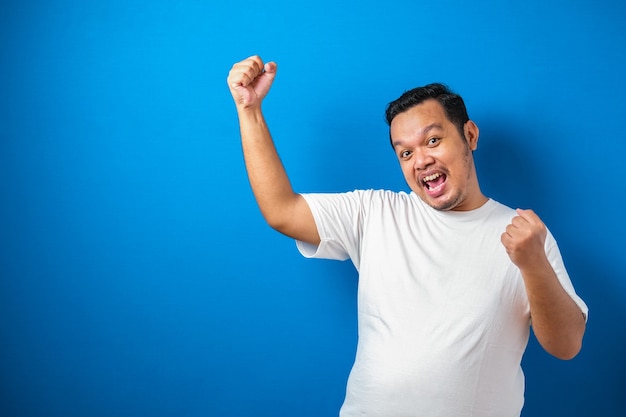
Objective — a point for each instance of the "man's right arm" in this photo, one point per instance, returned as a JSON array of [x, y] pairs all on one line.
[[283, 209]]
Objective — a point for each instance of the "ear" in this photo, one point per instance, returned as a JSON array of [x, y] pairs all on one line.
[[471, 134]]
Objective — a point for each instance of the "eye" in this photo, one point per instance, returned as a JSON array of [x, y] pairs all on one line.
[[433, 141], [404, 154]]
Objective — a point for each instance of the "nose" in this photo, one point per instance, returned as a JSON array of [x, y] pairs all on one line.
[[422, 159]]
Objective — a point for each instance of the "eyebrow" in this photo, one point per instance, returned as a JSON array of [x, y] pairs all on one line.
[[421, 132]]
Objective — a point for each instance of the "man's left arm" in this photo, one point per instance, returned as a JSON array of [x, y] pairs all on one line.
[[557, 320]]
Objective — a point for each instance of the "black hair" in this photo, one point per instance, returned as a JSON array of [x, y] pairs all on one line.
[[452, 103]]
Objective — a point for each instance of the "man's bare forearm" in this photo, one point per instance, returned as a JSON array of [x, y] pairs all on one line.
[[249, 81], [268, 178], [557, 320]]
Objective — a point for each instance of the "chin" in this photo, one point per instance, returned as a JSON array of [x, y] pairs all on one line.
[[442, 205]]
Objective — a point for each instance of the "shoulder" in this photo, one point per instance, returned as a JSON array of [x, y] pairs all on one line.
[[385, 196], [500, 211], [363, 197], [503, 207]]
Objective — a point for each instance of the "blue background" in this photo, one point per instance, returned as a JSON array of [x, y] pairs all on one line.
[[137, 276]]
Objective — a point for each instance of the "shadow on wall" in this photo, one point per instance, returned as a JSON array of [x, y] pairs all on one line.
[[507, 172], [594, 383], [345, 155]]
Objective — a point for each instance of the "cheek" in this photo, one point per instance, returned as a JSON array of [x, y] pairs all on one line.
[[406, 169], [409, 174]]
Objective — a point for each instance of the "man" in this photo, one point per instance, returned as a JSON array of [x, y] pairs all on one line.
[[449, 280]]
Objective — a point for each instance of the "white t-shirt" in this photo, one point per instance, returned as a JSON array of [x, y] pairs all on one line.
[[443, 316]]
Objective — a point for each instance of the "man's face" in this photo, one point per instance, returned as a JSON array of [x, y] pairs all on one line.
[[436, 159]]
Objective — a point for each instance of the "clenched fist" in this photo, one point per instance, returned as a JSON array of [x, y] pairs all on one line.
[[250, 81], [524, 240]]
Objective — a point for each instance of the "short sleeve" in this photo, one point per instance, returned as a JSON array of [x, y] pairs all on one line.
[[556, 260], [338, 218]]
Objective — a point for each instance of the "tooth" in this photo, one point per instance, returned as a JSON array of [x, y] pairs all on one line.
[[431, 177]]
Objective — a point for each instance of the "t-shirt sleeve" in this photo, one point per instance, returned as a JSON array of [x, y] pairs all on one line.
[[556, 260], [338, 218]]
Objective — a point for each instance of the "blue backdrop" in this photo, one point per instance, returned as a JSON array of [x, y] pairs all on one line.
[[137, 277]]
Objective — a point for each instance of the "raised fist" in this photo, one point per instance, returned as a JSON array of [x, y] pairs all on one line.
[[250, 81]]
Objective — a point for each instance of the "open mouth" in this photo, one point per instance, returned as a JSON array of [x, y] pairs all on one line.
[[434, 182]]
